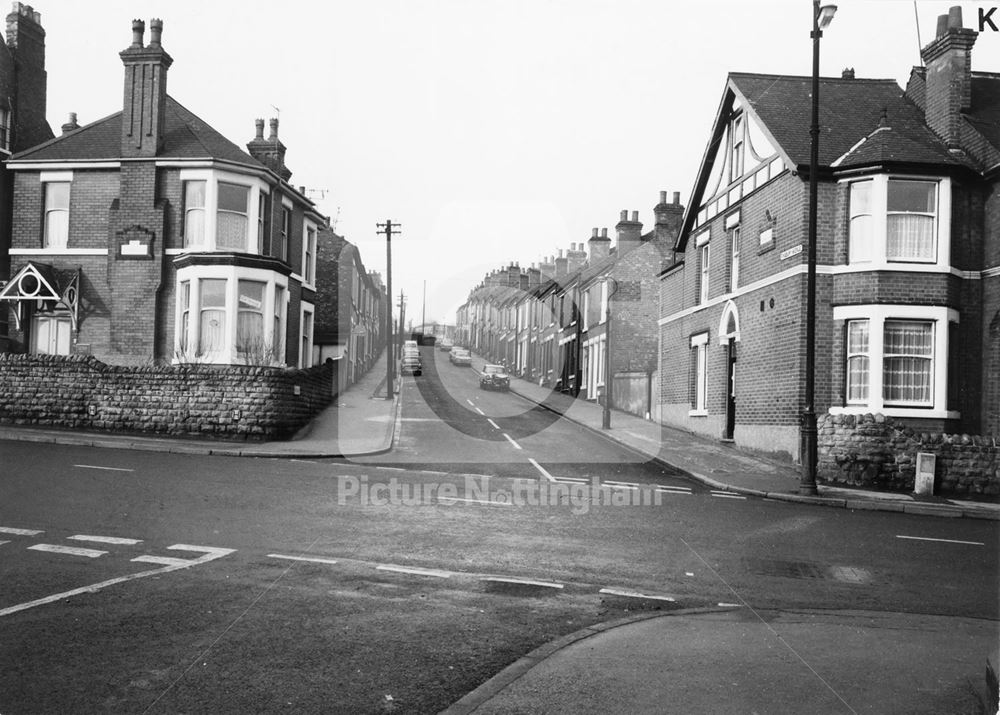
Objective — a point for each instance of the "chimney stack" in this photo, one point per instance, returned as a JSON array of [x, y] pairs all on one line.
[[26, 45], [629, 232], [71, 124], [576, 257], [144, 105], [270, 151], [848, 73], [948, 60], [600, 247]]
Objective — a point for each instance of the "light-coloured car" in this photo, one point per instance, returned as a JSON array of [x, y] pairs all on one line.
[[460, 357], [494, 377], [411, 366]]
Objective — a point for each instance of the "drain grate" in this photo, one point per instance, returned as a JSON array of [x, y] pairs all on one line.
[[809, 570]]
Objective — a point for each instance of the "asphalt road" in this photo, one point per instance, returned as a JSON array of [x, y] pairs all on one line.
[[138, 582]]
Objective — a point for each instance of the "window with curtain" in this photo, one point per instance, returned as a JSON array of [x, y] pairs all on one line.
[[185, 295], [704, 261], [910, 221], [305, 357], [194, 214], [278, 337], [231, 217], [286, 231], [212, 318], [309, 260], [250, 341], [860, 232], [262, 200], [734, 261], [56, 214], [907, 362], [858, 361]]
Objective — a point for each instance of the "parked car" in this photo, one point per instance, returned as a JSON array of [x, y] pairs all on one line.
[[460, 357], [445, 345], [411, 366], [409, 344], [411, 352], [494, 377]]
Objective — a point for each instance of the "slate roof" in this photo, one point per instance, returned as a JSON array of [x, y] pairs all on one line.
[[850, 111], [186, 136]]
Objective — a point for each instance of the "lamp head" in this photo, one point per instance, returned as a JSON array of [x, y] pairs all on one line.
[[825, 16]]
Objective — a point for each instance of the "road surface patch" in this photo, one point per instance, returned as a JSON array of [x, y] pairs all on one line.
[[19, 532], [105, 539], [311, 559], [436, 573], [942, 541], [107, 469], [67, 550], [541, 469], [635, 594]]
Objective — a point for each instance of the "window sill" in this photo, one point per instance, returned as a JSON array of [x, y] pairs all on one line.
[[912, 412], [697, 413], [767, 247]]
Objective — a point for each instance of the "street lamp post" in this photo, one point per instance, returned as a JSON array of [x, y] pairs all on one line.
[[387, 229], [821, 18]]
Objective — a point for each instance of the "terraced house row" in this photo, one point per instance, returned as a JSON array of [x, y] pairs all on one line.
[[148, 237], [908, 290]]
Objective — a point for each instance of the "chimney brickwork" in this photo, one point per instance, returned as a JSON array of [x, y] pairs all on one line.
[[270, 151], [26, 42], [144, 105], [948, 77]]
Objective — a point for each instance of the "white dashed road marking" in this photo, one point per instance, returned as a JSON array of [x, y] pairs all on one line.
[[105, 539], [482, 413], [19, 532], [4, 542], [570, 480], [493, 424], [471, 403], [541, 469], [107, 469], [943, 541], [312, 559], [727, 495], [67, 550], [635, 594], [414, 570], [511, 440], [487, 502]]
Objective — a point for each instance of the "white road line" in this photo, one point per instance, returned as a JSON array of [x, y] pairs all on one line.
[[723, 495], [492, 423], [541, 469], [211, 554], [730, 605], [4, 542], [621, 484], [392, 469], [431, 471], [675, 489], [944, 541], [414, 570], [524, 582], [570, 480], [105, 539], [311, 559], [19, 532], [107, 469], [471, 403], [482, 413], [511, 440], [476, 501], [303, 461], [661, 490], [634, 594], [68, 550], [689, 573], [161, 560]]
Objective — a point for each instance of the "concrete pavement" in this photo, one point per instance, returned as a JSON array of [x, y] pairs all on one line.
[[750, 662]]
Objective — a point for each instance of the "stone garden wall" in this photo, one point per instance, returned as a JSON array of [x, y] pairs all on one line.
[[872, 451], [224, 402]]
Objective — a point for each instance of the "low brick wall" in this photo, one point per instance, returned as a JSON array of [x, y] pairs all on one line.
[[80, 392], [874, 452]]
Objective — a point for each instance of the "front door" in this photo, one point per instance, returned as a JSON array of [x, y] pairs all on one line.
[[50, 335], [731, 390]]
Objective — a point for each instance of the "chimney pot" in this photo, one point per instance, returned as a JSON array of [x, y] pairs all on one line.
[[663, 197], [942, 25], [259, 124], [560, 253], [677, 198], [594, 234], [604, 233], [848, 73], [635, 216], [138, 30], [155, 32], [274, 129], [624, 215], [70, 124], [955, 17]]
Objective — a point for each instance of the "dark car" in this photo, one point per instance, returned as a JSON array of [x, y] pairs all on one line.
[[411, 366], [494, 377]]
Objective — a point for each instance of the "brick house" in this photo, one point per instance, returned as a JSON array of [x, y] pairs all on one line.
[[22, 114], [908, 257], [147, 236], [350, 308]]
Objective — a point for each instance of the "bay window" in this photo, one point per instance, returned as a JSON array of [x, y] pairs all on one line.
[[223, 211], [231, 221], [230, 315], [896, 359], [901, 221]]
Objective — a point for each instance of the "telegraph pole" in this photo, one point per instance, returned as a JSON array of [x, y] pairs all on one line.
[[423, 310], [387, 229], [402, 313]]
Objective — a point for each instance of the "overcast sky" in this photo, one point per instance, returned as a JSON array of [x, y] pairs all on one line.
[[493, 130]]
